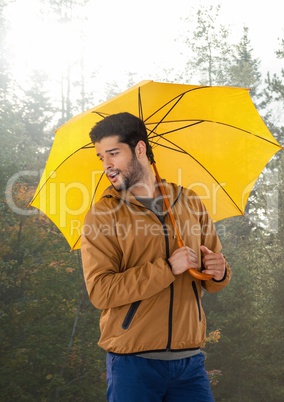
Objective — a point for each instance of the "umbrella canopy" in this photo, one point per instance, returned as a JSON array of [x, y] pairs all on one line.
[[207, 138]]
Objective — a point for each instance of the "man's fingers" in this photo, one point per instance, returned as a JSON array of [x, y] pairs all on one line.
[[205, 250]]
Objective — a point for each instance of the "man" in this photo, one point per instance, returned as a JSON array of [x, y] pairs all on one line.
[[152, 324]]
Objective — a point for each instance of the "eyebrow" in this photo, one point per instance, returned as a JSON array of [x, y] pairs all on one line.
[[110, 150]]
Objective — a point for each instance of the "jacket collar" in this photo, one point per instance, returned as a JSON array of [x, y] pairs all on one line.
[[172, 190]]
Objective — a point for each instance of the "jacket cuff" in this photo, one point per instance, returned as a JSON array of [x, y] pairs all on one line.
[[221, 280], [169, 264]]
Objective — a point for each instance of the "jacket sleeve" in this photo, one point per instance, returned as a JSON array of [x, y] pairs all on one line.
[[213, 286], [210, 239], [108, 283]]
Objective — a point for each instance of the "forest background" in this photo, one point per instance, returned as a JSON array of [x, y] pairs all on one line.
[[49, 329]]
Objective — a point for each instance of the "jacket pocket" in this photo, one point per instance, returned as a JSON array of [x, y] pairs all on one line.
[[197, 299], [130, 314]]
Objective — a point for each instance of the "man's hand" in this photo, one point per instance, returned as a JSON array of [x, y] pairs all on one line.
[[214, 263], [182, 259]]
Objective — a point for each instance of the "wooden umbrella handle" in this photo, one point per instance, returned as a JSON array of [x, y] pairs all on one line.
[[196, 274]]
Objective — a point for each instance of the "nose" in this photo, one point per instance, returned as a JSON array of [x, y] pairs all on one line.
[[107, 163]]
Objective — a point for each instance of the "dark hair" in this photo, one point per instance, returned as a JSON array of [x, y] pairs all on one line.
[[128, 127]]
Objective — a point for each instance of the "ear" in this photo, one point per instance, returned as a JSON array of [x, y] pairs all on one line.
[[140, 149]]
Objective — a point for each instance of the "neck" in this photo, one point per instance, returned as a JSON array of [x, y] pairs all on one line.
[[147, 187]]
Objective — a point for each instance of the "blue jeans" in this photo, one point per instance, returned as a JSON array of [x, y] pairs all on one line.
[[136, 379]]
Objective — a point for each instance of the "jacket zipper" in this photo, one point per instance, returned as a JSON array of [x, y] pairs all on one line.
[[170, 328], [171, 292], [197, 299], [170, 317], [134, 306]]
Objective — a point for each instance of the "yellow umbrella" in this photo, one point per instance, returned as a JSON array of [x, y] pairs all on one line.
[[209, 139]]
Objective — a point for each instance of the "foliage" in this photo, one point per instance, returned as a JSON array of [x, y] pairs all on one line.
[[244, 70], [210, 47], [273, 99], [49, 330], [47, 326]]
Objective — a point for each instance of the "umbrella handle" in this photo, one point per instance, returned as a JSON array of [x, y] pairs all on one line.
[[196, 274]]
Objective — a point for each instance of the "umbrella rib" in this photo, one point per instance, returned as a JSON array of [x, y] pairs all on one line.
[[178, 97], [163, 118], [89, 145], [200, 164], [102, 115], [162, 135], [181, 150], [140, 109], [92, 200], [172, 131], [93, 197]]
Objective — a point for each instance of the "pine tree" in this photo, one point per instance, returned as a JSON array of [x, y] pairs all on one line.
[[209, 44], [244, 70]]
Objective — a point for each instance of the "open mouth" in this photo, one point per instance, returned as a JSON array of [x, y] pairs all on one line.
[[112, 175]]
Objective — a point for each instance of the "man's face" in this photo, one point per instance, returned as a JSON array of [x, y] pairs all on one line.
[[121, 166]]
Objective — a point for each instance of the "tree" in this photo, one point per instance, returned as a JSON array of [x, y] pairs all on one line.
[[48, 327], [69, 17], [247, 351], [273, 104], [211, 52], [244, 70]]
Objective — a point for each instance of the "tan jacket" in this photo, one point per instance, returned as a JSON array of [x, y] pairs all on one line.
[[124, 251]]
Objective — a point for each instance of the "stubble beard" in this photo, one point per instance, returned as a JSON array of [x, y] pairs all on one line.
[[133, 175]]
